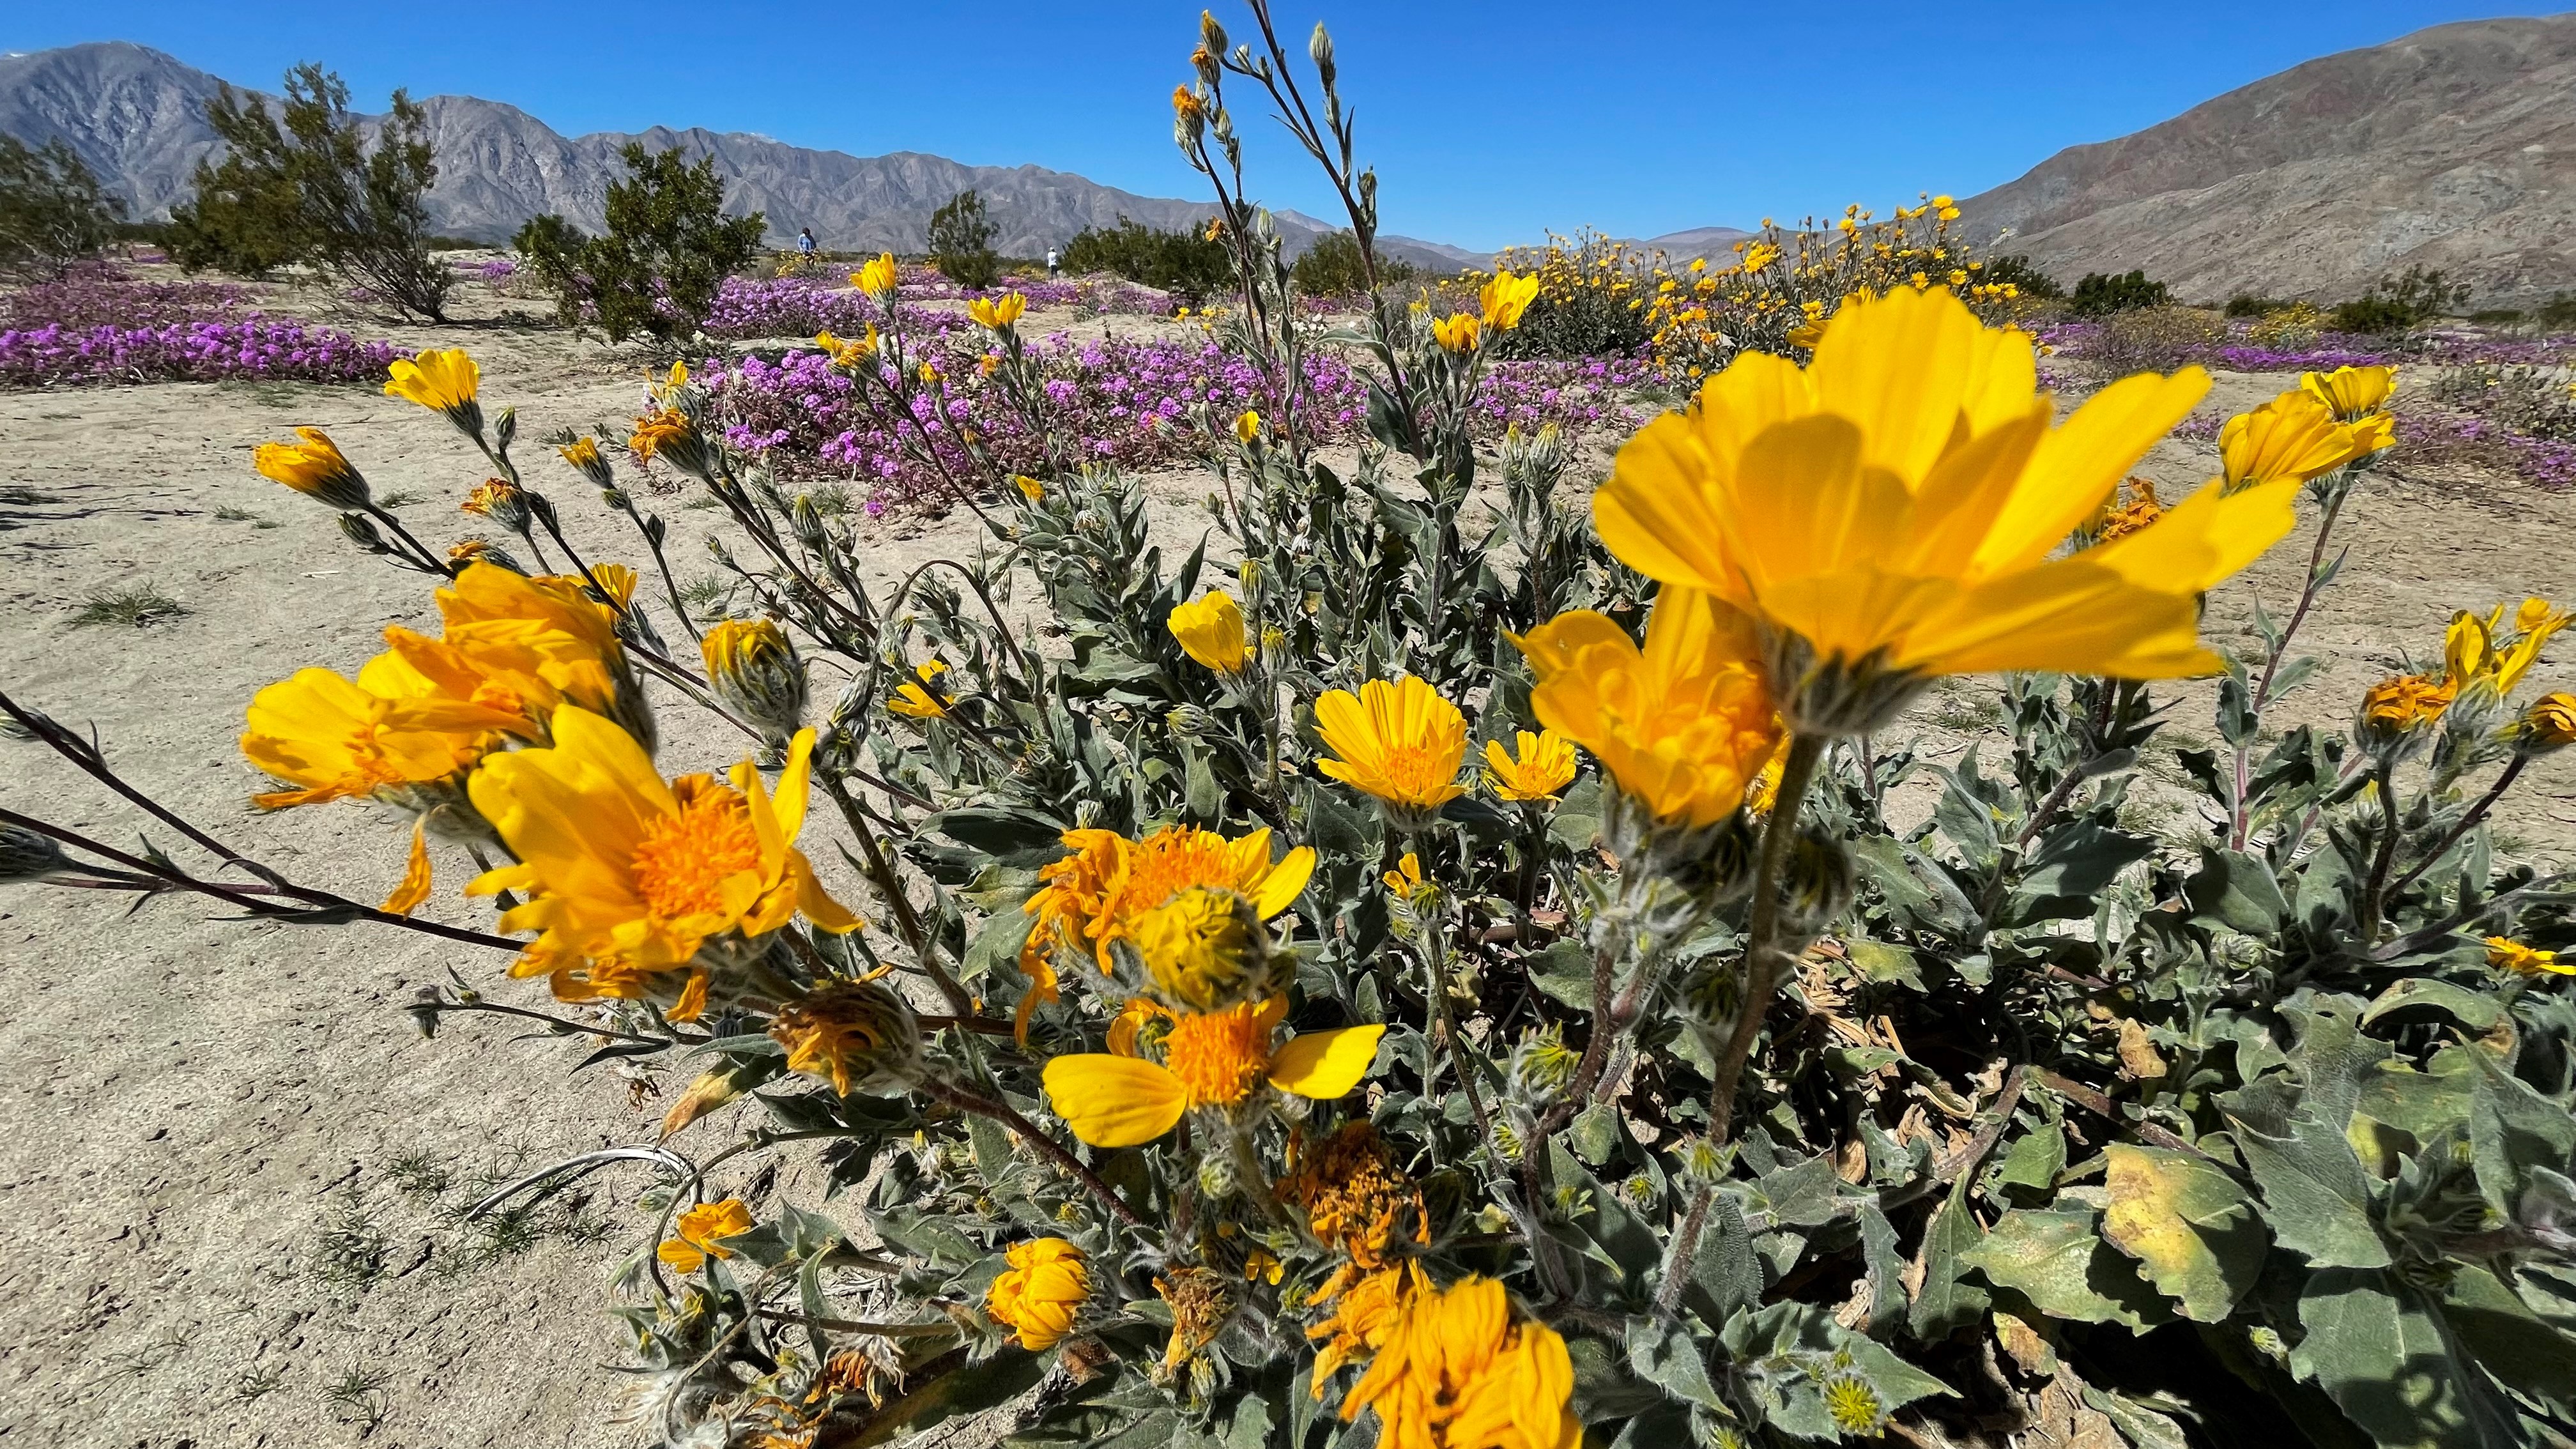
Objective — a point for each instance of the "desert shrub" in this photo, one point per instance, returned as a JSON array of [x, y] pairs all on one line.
[[1333, 268], [1188, 263], [2558, 314], [302, 184], [1228, 1060], [2291, 327], [53, 216], [668, 247], [2156, 339], [1592, 292], [2248, 304], [2535, 400], [2023, 275], [961, 242], [2100, 294], [2393, 304]]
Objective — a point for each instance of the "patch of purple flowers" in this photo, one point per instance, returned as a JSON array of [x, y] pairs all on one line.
[[250, 346], [103, 297]]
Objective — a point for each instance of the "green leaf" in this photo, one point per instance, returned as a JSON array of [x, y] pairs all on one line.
[[1946, 1301], [2236, 890], [1563, 972], [2474, 1010], [1886, 1268], [1013, 837], [2192, 1228], [2035, 1160], [2319, 1200], [1723, 1266], [2080, 861], [1199, 790], [2381, 1355], [1596, 1134], [2508, 1340], [2058, 1260], [1885, 965], [1672, 1360], [2513, 1128]]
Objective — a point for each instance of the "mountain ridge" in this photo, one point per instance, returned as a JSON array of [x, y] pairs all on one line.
[[136, 116]]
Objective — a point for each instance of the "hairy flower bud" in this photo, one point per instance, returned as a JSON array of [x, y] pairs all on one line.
[[755, 669], [501, 501], [1217, 1180], [1320, 51], [363, 532], [1204, 949], [1818, 883], [25, 855]]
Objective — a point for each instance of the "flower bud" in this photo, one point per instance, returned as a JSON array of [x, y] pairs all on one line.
[[2550, 723], [1320, 51], [583, 454], [1189, 721], [1211, 34], [26, 855], [1833, 697], [314, 468], [1217, 1176], [857, 1035], [754, 668], [362, 531], [1204, 949]]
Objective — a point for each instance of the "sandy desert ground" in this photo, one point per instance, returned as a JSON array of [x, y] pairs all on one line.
[[232, 1180]]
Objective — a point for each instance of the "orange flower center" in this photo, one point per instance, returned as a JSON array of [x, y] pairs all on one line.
[[685, 858], [1219, 1056], [1414, 770]]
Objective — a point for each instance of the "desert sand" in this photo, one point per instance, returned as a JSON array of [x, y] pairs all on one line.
[[233, 1179]]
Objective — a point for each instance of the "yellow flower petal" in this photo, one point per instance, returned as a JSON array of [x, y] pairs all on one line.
[[1114, 1101], [1325, 1064], [414, 889]]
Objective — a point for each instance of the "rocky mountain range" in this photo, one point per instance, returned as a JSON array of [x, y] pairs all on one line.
[[137, 117], [2451, 148]]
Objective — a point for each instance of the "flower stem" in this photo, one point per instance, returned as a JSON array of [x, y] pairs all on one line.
[[1762, 953], [2468, 822], [1047, 1147]]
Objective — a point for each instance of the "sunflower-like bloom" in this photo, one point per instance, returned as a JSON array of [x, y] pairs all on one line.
[[1459, 1370], [1101, 893], [1543, 766], [1367, 1307], [1210, 630], [443, 382], [1210, 1059], [1891, 514], [2293, 438], [1354, 1194], [1456, 333], [314, 468], [1203, 949], [2143, 508], [2550, 723], [2506, 954], [755, 669], [620, 867], [2484, 650], [1039, 1294], [876, 278], [330, 739], [1399, 741], [1247, 425], [1505, 297], [996, 314], [853, 1034], [848, 351], [920, 697], [2352, 392], [700, 1233], [1683, 725], [543, 640]]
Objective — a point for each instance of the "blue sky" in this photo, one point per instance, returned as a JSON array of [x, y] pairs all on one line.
[[1488, 123]]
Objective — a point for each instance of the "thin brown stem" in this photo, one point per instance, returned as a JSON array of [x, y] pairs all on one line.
[[1762, 954], [2468, 822], [1048, 1147]]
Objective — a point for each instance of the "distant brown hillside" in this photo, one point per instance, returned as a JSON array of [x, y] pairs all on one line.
[[2453, 147]]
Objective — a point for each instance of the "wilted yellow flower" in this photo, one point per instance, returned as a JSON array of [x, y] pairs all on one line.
[[2506, 954], [617, 865], [998, 313], [1456, 333], [2401, 704], [1354, 1194], [498, 499], [754, 668], [2292, 438], [1893, 513], [443, 382], [2551, 721], [2352, 392], [1806, 334], [1406, 879], [1247, 425], [848, 351], [850, 1033], [1683, 725], [2142, 509], [1210, 629], [657, 430], [1211, 1059], [1186, 105], [1544, 765], [1039, 1294], [1504, 299], [2472, 653], [1399, 741], [701, 1230], [919, 697], [314, 468], [1460, 1369], [877, 278], [1030, 488], [1367, 1306]]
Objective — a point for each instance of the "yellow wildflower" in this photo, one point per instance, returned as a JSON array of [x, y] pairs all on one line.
[[1892, 513], [2550, 723], [1399, 741], [1683, 725], [2506, 954], [1406, 879], [1210, 630], [2142, 509], [998, 313], [2396, 706], [331, 739], [877, 278], [2292, 438], [845, 1025], [1039, 1294], [314, 468], [1210, 1059], [700, 1233], [1456, 333], [2352, 392], [1247, 426], [657, 430], [1030, 488], [1504, 299], [1354, 1194], [919, 697], [443, 382], [1459, 1370], [1543, 766]]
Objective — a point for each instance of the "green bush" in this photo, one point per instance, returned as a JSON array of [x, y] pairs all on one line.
[[52, 213], [2100, 294], [1187, 263], [2558, 314], [2022, 273], [1332, 267], [2248, 304], [2393, 304], [961, 242], [300, 184], [669, 245]]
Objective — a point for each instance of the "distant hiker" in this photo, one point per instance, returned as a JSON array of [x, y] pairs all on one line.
[[1054, 261], [805, 241]]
